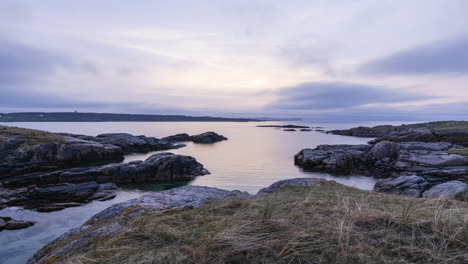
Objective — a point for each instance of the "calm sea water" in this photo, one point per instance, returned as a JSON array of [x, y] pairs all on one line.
[[251, 159]]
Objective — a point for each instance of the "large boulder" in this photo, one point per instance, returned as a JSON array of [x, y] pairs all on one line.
[[449, 190], [332, 158], [207, 138], [404, 185]]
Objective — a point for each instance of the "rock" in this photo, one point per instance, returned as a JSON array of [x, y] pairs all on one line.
[[332, 158], [71, 151], [64, 192], [449, 190], [455, 132], [2, 224], [404, 185], [305, 129], [204, 138], [289, 129], [207, 138], [17, 224], [283, 126], [183, 137], [382, 159], [158, 167], [297, 181], [186, 196]]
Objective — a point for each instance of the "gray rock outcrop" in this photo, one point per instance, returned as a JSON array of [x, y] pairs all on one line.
[[158, 167], [449, 190], [383, 158]]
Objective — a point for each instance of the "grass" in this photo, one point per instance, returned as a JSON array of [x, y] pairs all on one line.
[[29, 136], [296, 224]]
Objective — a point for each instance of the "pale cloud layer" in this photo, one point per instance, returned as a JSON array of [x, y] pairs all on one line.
[[332, 59]]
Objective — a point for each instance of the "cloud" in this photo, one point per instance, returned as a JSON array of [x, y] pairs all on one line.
[[21, 63], [444, 57], [337, 95]]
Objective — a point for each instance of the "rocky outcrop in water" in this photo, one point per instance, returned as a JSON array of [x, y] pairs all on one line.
[[455, 132], [69, 150], [203, 138], [48, 191], [54, 197], [17, 159], [419, 167], [384, 158], [186, 196], [127, 142], [283, 126], [6, 223], [158, 167]]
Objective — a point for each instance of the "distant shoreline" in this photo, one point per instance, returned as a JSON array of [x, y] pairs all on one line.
[[110, 117]]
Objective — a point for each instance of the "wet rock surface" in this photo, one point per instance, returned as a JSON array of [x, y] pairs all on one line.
[[6, 223]]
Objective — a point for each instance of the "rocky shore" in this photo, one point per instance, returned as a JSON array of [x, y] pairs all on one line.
[[428, 167], [170, 226], [35, 166], [455, 132]]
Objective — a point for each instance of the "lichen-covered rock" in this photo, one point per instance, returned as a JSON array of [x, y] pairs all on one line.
[[449, 190], [185, 196]]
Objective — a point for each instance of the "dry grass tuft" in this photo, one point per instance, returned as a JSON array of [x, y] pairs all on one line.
[[29, 136]]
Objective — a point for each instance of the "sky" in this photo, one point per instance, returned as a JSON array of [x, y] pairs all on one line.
[[319, 60]]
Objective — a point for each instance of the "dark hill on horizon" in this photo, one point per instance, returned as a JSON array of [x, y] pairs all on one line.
[[109, 117]]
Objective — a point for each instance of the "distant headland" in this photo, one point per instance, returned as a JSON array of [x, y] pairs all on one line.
[[110, 117]]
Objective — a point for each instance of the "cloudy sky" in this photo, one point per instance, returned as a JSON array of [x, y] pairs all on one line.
[[333, 59]]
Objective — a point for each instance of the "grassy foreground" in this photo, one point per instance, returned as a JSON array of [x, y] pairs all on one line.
[[296, 224], [29, 136]]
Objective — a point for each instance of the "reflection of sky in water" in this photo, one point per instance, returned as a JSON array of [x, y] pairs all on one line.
[[251, 159]]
